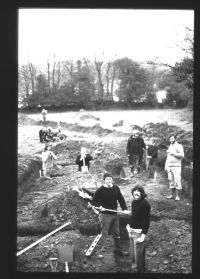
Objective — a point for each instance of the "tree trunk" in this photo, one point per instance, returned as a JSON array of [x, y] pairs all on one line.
[[107, 80], [48, 74], [99, 74], [112, 82]]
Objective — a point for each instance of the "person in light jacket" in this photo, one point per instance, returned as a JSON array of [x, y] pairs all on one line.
[[175, 154]]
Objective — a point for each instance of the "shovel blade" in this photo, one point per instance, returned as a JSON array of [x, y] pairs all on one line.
[[65, 254]]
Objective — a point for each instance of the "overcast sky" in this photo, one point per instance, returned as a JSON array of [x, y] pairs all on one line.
[[107, 34]]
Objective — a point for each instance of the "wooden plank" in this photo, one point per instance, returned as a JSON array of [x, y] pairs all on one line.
[[41, 239], [94, 243]]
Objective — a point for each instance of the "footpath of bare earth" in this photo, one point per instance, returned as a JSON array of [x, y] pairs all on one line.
[[45, 204]]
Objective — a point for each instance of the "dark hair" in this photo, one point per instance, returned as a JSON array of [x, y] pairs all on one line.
[[107, 175], [172, 135], [140, 188]]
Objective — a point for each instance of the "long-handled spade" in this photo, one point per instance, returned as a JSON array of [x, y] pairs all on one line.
[[65, 255]]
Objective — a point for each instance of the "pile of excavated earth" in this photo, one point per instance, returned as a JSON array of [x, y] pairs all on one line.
[[45, 204]]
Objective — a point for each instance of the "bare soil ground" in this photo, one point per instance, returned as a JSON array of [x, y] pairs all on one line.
[[45, 204]]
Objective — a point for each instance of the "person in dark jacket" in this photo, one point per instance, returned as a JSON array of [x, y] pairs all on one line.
[[107, 197], [134, 150], [140, 219], [151, 157], [41, 134], [83, 159]]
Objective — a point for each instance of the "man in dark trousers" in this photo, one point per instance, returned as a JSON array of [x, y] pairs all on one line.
[[107, 197], [140, 219], [134, 150]]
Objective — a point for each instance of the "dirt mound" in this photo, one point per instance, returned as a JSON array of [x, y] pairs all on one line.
[[84, 115]]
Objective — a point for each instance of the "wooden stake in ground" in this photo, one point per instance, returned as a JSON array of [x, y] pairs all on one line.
[[94, 243]]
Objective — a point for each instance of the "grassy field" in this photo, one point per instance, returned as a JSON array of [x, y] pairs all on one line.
[[179, 117]]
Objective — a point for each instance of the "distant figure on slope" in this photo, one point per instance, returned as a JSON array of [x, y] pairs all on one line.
[[134, 150], [44, 116], [175, 154], [47, 159], [83, 159]]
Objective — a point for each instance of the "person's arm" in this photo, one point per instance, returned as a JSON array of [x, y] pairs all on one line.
[[77, 162], [121, 200], [179, 154], [96, 200], [145, 222], [53, 155], [90, 157], [128, 147], [143, 144]]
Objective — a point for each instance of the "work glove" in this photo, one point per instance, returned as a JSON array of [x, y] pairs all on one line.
[[141, 238], [126, 211], [101, 208], [128, 228]]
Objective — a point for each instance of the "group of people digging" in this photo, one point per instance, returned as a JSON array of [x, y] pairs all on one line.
[[108, 195]]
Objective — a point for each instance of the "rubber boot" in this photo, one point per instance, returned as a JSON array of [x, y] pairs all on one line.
[[172, 194], [177, 198], [117, 250]]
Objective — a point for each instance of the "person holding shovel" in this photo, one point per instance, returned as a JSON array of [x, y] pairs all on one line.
[[135, 148], [47, 158], [139, 226], [83, 159], [106, 198]]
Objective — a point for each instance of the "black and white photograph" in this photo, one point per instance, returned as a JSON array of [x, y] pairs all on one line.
[[105, 140]]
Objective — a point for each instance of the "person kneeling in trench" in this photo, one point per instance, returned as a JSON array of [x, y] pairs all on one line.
[[139, 226], [106, 197], [47, 159]]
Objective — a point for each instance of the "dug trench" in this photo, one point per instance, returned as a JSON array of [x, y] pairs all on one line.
[[46, 204]]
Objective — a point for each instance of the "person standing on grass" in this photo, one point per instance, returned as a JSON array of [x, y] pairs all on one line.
[[175, 154], [151, 157], [135, 148], [83, 159], [47, 159], [107, 197], [44, 116], [140, 219]]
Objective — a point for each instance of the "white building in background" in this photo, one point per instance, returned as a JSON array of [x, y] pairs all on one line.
[[161, 96]]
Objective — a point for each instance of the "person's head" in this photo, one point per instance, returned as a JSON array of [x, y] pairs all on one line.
[[83, 151], [47, 147], [107, 177], [172, 138], [138, 192], [49, 129], [136, 133], [152, 141]]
